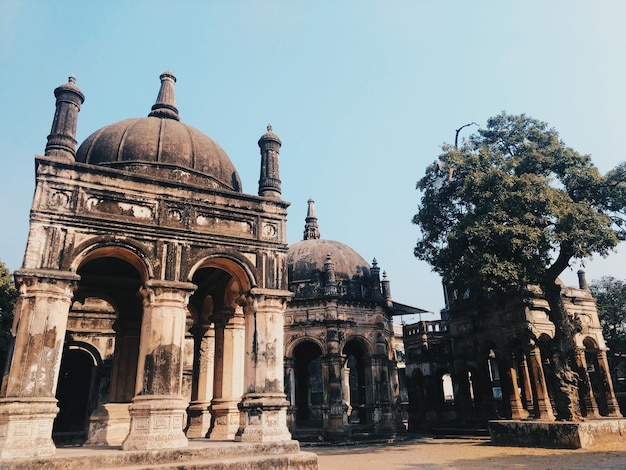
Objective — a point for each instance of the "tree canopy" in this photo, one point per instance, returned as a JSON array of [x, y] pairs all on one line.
[[8, 294], [514, 205]]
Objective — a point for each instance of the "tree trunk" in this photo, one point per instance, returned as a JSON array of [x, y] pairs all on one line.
[[563, 354]]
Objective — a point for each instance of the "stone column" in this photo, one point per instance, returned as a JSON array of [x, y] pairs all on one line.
[[158, 408], [588, 400], [542, 405], [526, 385], [230, 353], [605, 373], [199, 411], [347, 395], [290, 392], [263, 406], [28, 405], [515, 401]]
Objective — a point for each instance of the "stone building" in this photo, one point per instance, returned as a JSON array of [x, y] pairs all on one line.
[[496, 361], [152, 292], [341, 375]]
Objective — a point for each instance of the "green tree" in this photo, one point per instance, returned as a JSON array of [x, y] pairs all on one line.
[[511, 206], [610, 294], [8, 294]]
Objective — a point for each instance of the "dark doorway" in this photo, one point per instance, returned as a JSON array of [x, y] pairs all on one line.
[[309, 387], [73, 392]]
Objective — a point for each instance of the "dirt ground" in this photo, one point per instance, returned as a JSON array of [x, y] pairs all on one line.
[[474, 453]]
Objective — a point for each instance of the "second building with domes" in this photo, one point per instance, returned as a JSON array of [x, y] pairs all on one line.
[[341, 375]]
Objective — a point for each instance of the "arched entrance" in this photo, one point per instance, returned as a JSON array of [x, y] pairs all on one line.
[[354, 385], [217, 383], [75, 395], [309, 389], [116, 281]]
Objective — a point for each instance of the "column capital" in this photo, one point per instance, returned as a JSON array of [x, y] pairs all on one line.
[[28, 277], [172, 289]]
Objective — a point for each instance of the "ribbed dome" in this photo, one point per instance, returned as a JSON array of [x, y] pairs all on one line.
[[161, 146], [318, 267], [306, 259]]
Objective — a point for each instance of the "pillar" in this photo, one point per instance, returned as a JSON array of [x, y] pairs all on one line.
[[542, 404], [515, 401], [199, 412], [588, 400], [263, 406], [28, 405], [525, 378], [229, 367], [605, 373], [290, 392], [158, 408], [337, 389]]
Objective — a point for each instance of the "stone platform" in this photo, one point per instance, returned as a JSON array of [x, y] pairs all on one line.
[[558, 434], [201, 454]]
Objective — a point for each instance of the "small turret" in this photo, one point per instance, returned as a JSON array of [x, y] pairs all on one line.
[[582, 280], [376, 292], [311, 228], [387, 290], [269, 182], [62, 138]]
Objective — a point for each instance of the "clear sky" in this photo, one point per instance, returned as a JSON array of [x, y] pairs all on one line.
[[362, 94]]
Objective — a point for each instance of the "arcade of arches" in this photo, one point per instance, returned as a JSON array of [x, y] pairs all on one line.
[[152, 293]]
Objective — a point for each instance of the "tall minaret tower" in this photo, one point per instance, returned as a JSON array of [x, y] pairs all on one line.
[[311, 229], [269, 182], [62, 138]]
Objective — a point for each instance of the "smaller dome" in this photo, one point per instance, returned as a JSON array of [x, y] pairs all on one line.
[[317, 267]]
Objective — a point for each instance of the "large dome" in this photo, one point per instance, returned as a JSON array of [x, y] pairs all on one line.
[[161, 146]]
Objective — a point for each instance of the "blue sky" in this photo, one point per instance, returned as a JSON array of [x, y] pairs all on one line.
[[362, 94]]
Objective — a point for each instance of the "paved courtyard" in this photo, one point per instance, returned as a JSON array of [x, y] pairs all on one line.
[[430, 453]]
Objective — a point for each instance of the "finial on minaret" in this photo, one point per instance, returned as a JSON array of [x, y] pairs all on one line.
[[311, 229], [165, 106], [387, 289], [62, 138], [269, 182]]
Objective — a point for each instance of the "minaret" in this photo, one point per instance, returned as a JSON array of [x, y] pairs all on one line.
[[387, 290], [62, 138], [269, 182], [165, 106], [375, 280], [311, 229]]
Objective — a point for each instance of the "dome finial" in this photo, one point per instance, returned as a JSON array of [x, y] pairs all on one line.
[[311, 229], [165, 106]]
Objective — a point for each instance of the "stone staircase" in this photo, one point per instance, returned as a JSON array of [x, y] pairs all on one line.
[[201, 454]]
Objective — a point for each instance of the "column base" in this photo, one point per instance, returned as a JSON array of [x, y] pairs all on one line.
[[26, 427], [263, 419], [156, 422], [198, 419], [109, 425], [227, 419]]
